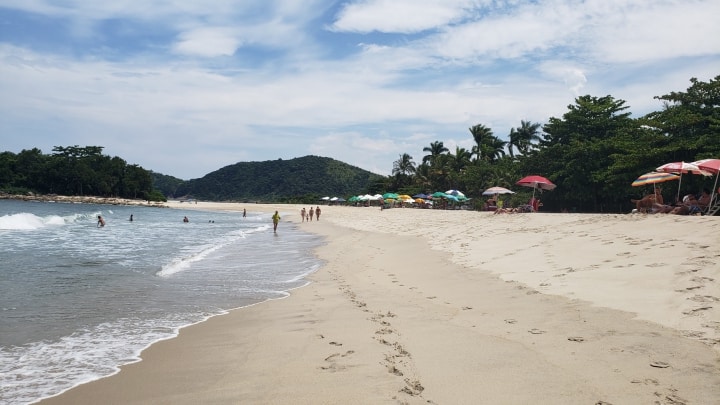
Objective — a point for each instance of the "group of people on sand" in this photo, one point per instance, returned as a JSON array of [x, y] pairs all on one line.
[[497, 205], [308, 215], [689, 205]]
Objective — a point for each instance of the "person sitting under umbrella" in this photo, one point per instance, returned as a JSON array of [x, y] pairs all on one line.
[[704, 200], [535, 204]]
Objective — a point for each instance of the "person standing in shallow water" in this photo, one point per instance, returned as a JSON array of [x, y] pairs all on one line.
[[101, 222], [275, 219]]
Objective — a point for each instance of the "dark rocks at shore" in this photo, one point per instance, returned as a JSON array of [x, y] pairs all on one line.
[[80, 199]]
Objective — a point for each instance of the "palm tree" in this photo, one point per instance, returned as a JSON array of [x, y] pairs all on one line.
[[436, 149], [403, 169], [480, 133], [524, 137], [422, 176], [404, 165], [493, 148], [461, 158]]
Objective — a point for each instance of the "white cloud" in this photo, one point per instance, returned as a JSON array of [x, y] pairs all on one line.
[[463, 63], [400, 16], [208, 42]]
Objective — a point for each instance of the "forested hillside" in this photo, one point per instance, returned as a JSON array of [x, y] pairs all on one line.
[[281, 180], [74, 170]]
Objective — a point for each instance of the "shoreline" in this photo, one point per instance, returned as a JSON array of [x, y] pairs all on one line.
[[409, 308], [83, 200]]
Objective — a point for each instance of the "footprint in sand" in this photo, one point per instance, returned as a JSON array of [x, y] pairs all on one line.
[[536, 331], [576, 339], [659, 364], [696, 310], [333, 364], [647, 381]]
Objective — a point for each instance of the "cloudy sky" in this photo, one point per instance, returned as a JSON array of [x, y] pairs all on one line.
[[186, 87]]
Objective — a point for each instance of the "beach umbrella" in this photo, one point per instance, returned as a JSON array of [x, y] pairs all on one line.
[[438, 194], [325, 198], [708, 165], [497, 190], [681, 168], [712, 166], [455, 193], [421, 195], [536, 182], [654, 178]]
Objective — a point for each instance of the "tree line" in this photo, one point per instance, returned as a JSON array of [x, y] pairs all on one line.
[[77, 171], [593, 152]]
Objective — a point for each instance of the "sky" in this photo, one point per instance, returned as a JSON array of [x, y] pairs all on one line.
[[185, 87]]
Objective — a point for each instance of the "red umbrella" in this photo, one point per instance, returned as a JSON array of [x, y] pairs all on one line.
[[709, 165], [681, 168], [712, 166], [536, 182]]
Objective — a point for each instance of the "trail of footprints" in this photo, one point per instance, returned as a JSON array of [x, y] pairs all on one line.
[[397, 360]]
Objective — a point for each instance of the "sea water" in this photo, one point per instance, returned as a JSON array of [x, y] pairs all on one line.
[[77, 300]]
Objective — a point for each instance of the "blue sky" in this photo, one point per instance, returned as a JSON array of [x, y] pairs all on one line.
[[186, 87]]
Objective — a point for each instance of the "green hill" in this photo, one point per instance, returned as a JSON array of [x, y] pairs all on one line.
[[296, 179]]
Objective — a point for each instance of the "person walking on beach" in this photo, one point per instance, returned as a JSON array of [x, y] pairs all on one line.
[[275, 219], [312, 212], [101, 222], [303, 214], [317, 212]]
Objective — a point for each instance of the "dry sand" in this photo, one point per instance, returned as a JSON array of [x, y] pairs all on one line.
[[456, 307]]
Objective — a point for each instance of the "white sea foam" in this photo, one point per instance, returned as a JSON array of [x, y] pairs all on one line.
[[27, 221], [137, 282], [84, 356], [185, 262]]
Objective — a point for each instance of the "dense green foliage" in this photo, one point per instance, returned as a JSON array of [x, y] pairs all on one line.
[[592, 153], [165, 184], [302, 179], [74, 170]]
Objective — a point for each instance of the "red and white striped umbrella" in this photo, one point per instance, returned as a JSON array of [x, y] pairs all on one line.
[[682, 168], [708, 165], [712, 166]]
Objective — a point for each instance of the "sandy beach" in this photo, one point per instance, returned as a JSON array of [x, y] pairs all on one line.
[[458, 307]]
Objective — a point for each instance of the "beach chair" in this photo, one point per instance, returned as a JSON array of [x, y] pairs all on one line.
[[714, 209]]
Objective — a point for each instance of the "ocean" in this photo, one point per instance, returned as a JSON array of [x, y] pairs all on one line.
[[77, 300]]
